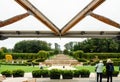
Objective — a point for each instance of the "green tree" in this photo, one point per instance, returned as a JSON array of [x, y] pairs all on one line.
[[96, 45], [57, 48], [31, 46], [1, 53], [5, 50], [70, 46]]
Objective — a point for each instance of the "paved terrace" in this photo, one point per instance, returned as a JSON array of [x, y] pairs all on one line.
[[92, 78]]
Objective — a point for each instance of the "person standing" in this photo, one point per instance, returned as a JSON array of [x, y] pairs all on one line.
[[109, 70], [99, 69]]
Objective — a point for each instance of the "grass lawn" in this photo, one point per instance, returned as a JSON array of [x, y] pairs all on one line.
[[13, 67], [92, 68]]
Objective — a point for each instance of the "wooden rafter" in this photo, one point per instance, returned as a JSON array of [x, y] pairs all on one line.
[[105, 20], [13, 19], [28, 6], [90, 7]]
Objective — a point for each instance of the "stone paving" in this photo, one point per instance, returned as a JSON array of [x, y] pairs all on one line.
[[92, 78], [75, 80]]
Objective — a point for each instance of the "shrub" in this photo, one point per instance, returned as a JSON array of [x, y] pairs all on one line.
[[18, 73], [77, 73], [85, 73], [78, 54], [67, 74], [115, 73], [104, 73], [7, 73], [81, 60], [42, 54], [37, 73], [45, 73], [1, 54], [55, 74]]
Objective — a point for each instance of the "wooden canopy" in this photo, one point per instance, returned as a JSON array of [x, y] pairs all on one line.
[[55, 31]]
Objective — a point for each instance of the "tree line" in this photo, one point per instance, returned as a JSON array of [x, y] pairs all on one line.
[[88, 45], [31, 46], [94, 45]]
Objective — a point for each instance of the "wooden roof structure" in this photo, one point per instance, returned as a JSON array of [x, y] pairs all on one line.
[[55, 31]]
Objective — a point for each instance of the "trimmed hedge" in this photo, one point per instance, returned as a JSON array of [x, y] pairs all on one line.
[[37, 73], [85, 73], [55, 74], [18, 73], [76, 73], [40, 73], [115, 73], [67, 74], [6, 73]]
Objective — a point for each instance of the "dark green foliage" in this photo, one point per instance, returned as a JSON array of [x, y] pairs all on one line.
[[67, 74], [40, 60], [4, 49], [31, 46], [18, 73], [1, 53], [24, 55], [42, 54], [66, 51], [115, 73], [37, 73], [40, 73], [85, 73], [78, 54], [7, 73], [82, 60], [55, 74], [76, 73], [45, 73], [56, 51], [95, 45]]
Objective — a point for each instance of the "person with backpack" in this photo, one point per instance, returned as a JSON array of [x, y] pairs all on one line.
[[109, 70]]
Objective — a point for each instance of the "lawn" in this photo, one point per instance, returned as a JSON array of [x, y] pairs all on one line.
[[13, 67], [92, 68]]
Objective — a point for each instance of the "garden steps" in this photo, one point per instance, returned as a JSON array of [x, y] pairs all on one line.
[[61, 59]]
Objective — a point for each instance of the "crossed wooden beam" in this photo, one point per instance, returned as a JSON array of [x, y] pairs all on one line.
[[87, 11]]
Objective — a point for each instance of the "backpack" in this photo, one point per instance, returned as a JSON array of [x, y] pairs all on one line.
[[111, 68]]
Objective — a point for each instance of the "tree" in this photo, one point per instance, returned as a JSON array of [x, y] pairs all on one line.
[[1, 53], [5, 50], [70, 46], [31, 46], [95, 45], [57, 48]]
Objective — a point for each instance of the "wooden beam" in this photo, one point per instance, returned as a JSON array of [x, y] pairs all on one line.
[[13, 19], [40, 16], [4, 34], [90, 7], [105, 20]]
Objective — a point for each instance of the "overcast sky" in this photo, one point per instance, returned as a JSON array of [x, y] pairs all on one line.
[[59, 12]]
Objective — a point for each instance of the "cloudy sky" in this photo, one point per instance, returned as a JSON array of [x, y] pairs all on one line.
[[59, 12]]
